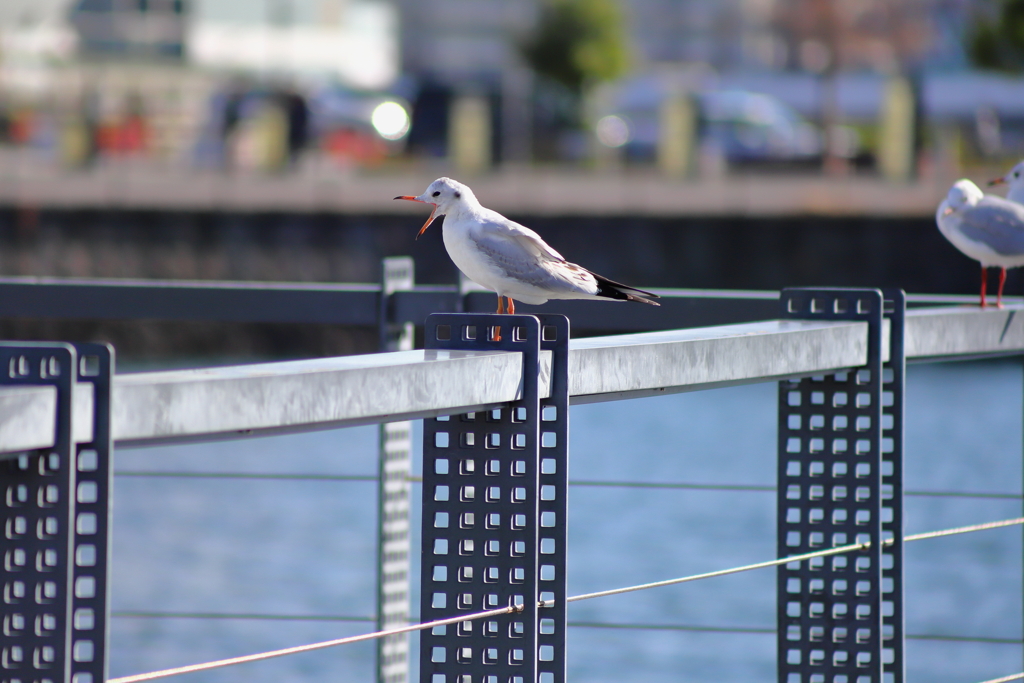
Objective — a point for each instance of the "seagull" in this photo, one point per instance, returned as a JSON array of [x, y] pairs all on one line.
[[1014, 180], [987, 228], [509, 258]]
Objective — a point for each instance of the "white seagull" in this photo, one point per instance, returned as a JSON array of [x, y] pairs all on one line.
[[987, 228], [509, 258], [1014, 180]]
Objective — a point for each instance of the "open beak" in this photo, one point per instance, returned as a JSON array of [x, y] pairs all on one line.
[[997, 181], [430, 220]]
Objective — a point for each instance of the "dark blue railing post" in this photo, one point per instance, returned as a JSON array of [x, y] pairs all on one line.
[[840, 618], [494, 513]]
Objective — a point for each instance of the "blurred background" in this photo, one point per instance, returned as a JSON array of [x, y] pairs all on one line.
[[738, 143]]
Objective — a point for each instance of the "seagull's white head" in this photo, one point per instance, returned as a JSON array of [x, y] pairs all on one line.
[[446, 195], [964, 193], [1015, 178]]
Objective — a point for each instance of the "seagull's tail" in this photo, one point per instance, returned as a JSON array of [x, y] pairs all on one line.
[[610, 289]]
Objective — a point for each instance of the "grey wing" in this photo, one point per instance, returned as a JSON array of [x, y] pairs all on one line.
[[525, 257], [997, 223]]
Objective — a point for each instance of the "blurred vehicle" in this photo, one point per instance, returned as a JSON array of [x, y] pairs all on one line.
[[269, 127], [743, 127], [752, 127], [358, 126]]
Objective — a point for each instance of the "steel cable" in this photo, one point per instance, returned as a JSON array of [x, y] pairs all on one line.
[[587, 596], [762, 488]]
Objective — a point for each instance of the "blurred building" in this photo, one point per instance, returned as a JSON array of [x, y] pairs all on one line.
[[148, 78], [869, 35], [354, 42], [125, 29], [453, 39]]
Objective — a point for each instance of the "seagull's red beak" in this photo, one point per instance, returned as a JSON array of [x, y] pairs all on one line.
[[997, 181], [430, 220]]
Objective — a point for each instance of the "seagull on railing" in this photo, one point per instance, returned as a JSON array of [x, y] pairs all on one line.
[[1014, 180], [987, 228], [509, 258]]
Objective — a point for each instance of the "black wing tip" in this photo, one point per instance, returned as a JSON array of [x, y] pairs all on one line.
[[616, 290]]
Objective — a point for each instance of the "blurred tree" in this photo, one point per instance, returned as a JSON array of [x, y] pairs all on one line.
[[578, 43], [998, 42]]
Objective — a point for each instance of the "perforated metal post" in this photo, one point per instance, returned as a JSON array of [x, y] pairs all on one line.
[[395, 468], [840, 619], [93, 488], [37, 521], [490, 515]]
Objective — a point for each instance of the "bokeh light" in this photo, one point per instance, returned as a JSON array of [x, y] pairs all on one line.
[[613, 131], [391, 120]]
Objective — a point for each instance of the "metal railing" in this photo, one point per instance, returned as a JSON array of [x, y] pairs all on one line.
[[475, 378]]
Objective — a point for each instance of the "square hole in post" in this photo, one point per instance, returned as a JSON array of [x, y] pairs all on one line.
[[549, 333], [89, 366], [468, 332], [443, 332], [88, 461]]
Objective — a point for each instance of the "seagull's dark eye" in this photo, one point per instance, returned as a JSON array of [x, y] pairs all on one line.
[[458, 194], [1017, 174], [436, 193]]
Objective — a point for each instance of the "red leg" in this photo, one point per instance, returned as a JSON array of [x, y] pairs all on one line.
[[512, 304], [984, 283], [1002, 281], [501, 304]]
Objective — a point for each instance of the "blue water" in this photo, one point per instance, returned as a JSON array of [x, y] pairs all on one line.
[[278, 547]]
